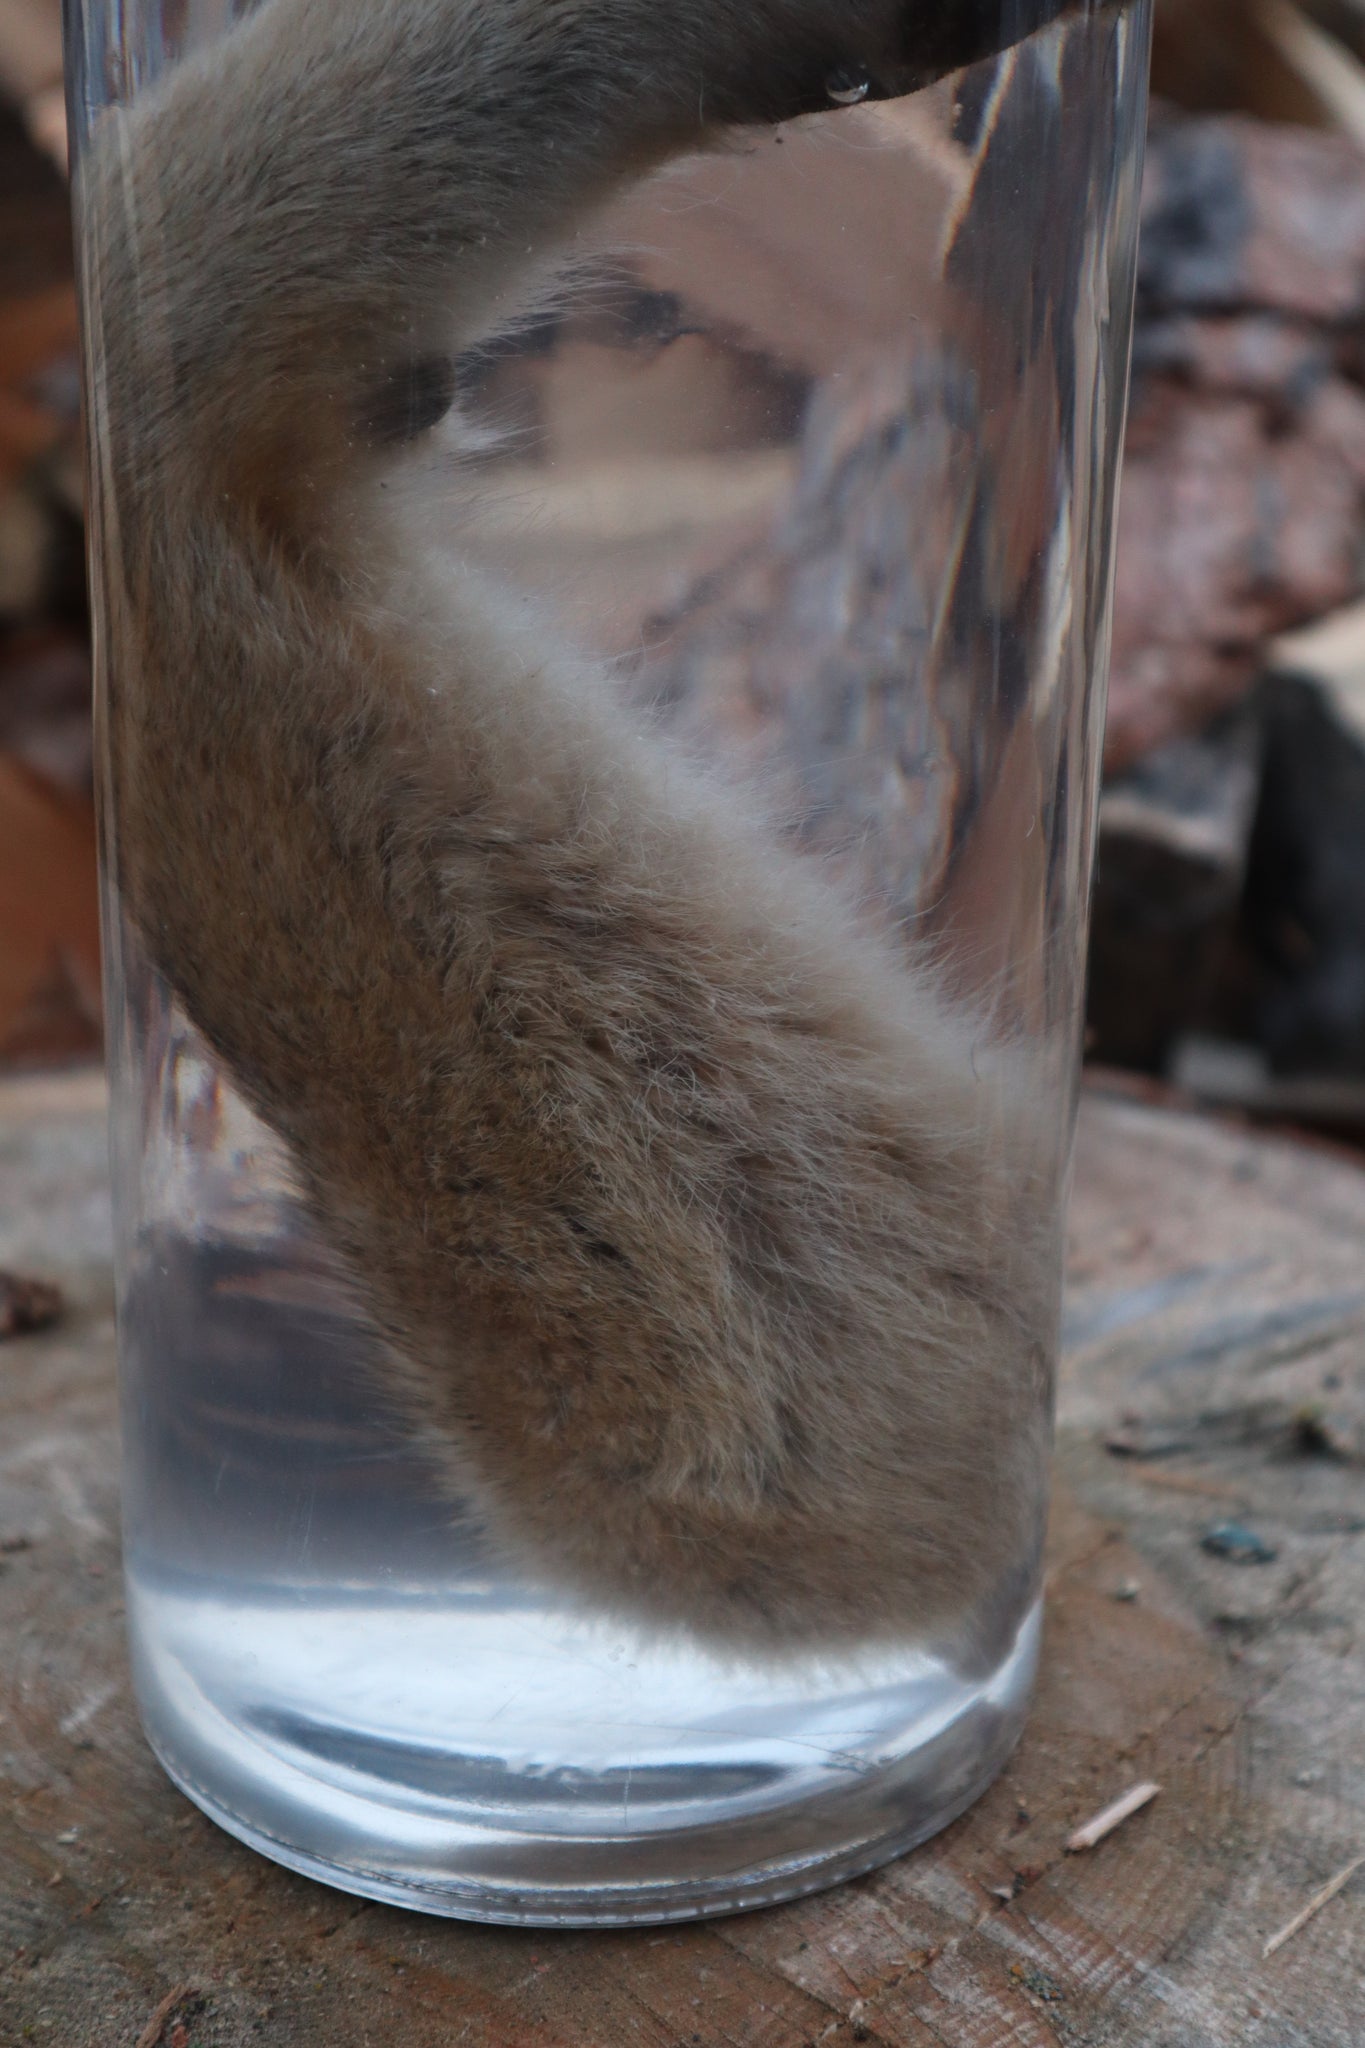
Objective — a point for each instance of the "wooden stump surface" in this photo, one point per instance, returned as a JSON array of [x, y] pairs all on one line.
[[1214, 1371]]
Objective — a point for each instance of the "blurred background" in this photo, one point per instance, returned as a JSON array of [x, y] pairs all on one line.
[[1228, 947]]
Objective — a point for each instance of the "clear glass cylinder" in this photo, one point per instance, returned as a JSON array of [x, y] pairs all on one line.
[[601, 540]]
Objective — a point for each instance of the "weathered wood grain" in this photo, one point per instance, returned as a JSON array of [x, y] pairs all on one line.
[[1217, 1318]]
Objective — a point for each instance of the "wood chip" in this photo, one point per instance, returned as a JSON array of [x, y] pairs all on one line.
[[1315, 1905], [151, 2034], [1186, 1482], [26, 1305], [1112, 1817]]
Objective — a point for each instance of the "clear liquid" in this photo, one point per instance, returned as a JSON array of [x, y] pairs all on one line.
[[331, 1662], [815, 452]]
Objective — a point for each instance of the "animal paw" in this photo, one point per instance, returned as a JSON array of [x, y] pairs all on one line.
[[900, 48]]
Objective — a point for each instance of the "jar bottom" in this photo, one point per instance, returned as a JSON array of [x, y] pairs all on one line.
[[728, 1813]]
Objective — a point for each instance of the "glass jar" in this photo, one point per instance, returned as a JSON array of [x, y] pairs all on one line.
[[601, 536]]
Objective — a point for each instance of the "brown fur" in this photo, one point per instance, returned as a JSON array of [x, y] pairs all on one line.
[[706, 1253]]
